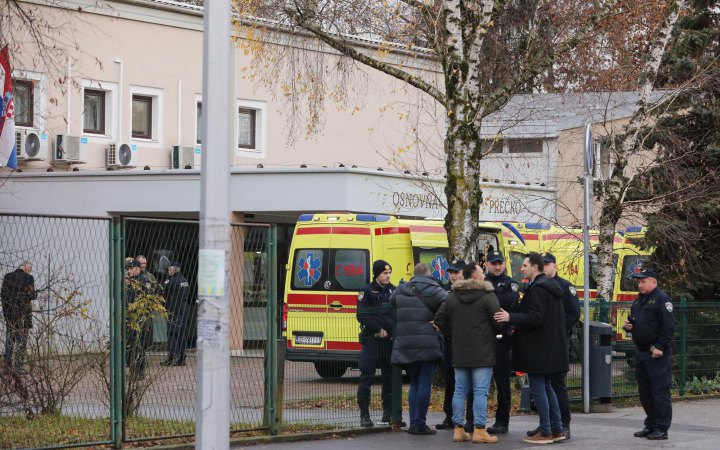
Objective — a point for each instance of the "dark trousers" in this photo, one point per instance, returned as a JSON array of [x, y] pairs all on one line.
[[559, 385], [177, 335], [501, 374], [375, 353], [654, 378], [16, 339], [137, 344], [449, 376]]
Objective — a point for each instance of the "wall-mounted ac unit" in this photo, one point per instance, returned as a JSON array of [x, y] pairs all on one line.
[[120, 155], [70, 149], [31, 145], [182, 157]]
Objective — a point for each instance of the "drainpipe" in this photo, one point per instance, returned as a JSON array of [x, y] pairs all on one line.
[[120, 98]]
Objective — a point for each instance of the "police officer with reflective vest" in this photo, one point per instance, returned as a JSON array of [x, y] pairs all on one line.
[[376, 324], [177, 292], [507, 291], [652, 324], [571, 305]]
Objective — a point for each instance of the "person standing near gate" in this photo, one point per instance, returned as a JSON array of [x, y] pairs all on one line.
[[177, 292], [507, 291], [17, 294], [652, 324], [376, 323]]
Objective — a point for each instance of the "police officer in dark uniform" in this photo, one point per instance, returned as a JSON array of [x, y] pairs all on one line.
[[139, 332], [455, 271], [507, 291], [652, 324], [177, 292], [571, 305], [376, 323]]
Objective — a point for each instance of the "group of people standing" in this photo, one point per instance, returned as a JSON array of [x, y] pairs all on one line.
[[480, 329], [176, 293]]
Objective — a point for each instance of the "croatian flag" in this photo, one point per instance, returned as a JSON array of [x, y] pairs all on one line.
[[8, 152]]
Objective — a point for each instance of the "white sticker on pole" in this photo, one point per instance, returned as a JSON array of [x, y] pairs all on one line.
[[211, 272]]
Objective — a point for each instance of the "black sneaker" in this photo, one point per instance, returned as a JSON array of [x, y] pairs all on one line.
[[446, 424], [657, 435], [422, 431], [642, 433], [365, 422], [498, 429]]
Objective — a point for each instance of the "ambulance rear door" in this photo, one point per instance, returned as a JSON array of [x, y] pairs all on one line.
[[430, 246]]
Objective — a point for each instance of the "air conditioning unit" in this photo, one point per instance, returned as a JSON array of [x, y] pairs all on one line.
[[120, 155], [182, 157], [31, 145], [70, 149]]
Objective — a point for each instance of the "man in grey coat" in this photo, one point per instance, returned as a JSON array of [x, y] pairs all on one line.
[[417, 346]]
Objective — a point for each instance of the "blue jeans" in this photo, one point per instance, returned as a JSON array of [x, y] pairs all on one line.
[[477, 380], [421, 375], [546, 403]]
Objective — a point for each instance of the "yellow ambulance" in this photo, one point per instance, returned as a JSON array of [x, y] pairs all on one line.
[[330, 260]]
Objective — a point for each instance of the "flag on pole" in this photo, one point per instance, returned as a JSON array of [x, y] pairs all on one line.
[[8, 152]]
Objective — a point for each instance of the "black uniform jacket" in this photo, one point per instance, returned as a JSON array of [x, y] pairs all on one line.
[[654, 322], [17, 294], [540, 339], [571, 303], [373, 309], [177, 291], [507, 291]]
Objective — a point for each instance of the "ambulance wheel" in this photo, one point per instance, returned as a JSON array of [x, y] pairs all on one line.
[[330, 369]]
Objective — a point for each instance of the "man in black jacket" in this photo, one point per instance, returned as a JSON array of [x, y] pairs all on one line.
[[652, 324], [17, 294], [507, 291], [571, 306], [417, 345], [376, 323], [177, 292], [540, 345]]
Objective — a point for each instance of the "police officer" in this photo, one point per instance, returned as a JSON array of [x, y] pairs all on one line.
[[652, 324], [455, 272], [138, 328], [507, 291], [571, 305], [177, 292], [376, 323]]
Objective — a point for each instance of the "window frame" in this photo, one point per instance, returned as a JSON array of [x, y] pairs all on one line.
[[253, 128], [335, 283], [521, 142], [30, 84], [103, 95], [198, 122], [323, 270], [149, 100], [419, 253]]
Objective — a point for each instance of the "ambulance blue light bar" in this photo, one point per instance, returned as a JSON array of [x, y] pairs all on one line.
[[371, 218], [537, 226], [633, 229], [514, 231], [305, 218]]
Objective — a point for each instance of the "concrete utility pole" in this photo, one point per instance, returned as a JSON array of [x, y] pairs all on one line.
[[213, 401]]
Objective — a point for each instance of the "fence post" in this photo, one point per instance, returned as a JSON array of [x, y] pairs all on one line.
[[271, 418], [396, 385], [683, 344], [117, 368]]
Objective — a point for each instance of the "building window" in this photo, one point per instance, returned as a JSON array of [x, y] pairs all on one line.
[[246, 128], [198, 124], [94, 112], [525, 146], [142, 116], [24, 100], [492, 147]]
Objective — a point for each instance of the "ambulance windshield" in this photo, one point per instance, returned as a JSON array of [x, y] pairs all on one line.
[[487, 242]]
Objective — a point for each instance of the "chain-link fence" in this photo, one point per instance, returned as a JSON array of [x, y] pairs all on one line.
[[56, 330]]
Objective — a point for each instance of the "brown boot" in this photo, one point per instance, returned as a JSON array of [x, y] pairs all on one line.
[[460, 434], [481, 436]]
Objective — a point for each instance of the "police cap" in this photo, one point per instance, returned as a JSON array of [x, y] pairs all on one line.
[[174, 264], [132, 263], [645, 273], [456, 265], [495, 257], [549, 258]]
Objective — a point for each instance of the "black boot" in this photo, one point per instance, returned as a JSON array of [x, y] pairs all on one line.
[[365, 420]]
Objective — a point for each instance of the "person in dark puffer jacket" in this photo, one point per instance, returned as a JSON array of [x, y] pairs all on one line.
[[468, 315], [418, 346]]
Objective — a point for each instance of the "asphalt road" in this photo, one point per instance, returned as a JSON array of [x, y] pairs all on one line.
[[696, 424]]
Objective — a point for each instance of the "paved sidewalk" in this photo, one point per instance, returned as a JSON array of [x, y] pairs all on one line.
[[696, 424]]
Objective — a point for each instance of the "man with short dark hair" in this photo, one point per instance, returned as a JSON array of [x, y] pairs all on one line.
[[507, 291], [652, 324], [540, 345], [177, 293], [376, 323], [17, 294]]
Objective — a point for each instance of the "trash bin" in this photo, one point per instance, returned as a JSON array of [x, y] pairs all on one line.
[[600, 360]]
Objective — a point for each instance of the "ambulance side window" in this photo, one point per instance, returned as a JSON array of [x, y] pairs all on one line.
[[350, 269], [516, 262], [631, 264], [309, 268], [437, 259]]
